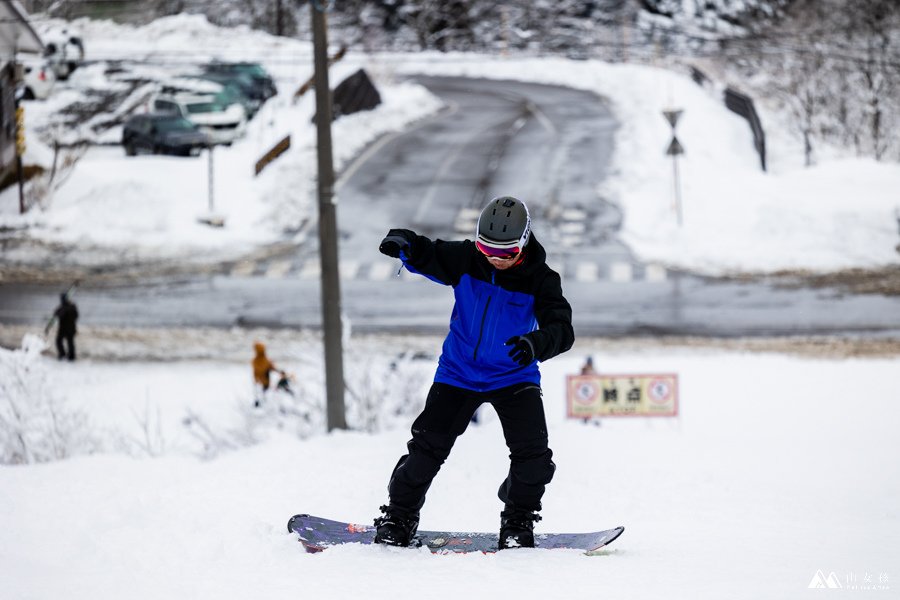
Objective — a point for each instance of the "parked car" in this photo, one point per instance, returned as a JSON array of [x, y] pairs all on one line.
[[156, 133], [243, 85], [261, 79], [223, 123], [39, 78], [188, 85], [224, 92]]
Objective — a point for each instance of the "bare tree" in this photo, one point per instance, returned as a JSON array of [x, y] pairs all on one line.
[[874, 26], [834, 64]]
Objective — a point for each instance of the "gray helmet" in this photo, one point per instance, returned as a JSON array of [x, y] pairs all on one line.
[[504, 224]]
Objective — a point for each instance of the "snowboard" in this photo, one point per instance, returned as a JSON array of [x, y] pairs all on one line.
[[317, 534]]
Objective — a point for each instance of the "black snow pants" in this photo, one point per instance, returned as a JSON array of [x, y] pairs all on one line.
[[446, 415], [66, 350]]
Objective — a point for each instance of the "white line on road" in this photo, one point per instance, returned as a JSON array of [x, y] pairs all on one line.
[[620, 272], [278, 269], [349, 269], [545, 122], [466, 220], [381, 271], [559, 268], [586, 272], [655, 273], [374, 148], [312, 268], [244, 268]]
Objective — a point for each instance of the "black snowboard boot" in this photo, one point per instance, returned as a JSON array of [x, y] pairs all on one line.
[[397, 527], [517, 527]]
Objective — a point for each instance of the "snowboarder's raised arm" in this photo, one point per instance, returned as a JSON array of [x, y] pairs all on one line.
[[440, 261]]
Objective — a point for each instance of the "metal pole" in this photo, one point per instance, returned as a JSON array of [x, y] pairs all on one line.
[[210, 180], [278, 16], [328, 248], [21, 176], [20, 172], [677, 189]]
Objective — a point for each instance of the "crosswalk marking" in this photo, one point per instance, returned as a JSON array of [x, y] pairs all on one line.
[[349, 269], [655, 273], [311, 269], [573, 214], [582, 272], [466, 220], [381, 271], [573, 228], [620, 272], [243, 268], [278, 269], [587, 272]]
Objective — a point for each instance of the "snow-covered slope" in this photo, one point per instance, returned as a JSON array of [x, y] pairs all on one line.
[[777, 468]]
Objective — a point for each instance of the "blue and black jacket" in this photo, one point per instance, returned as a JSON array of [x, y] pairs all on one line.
[[491, 307]]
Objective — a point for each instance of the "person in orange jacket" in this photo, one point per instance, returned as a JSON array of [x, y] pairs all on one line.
[[262, 367]]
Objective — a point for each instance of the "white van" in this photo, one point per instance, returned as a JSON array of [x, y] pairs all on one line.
[[223, 123]]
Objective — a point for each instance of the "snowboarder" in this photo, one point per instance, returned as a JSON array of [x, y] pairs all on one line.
[[509, 313], [66, 315]]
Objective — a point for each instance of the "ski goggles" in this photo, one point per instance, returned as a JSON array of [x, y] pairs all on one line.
[[498, 253]]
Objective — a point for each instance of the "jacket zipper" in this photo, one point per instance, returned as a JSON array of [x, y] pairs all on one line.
[[481, 329]]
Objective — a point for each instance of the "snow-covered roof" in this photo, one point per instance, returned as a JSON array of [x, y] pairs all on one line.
[[16, 33]]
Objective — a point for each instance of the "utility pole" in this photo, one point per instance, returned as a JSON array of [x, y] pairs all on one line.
[[279, 29], [328, 244], [674, 150], [20, 152], [210, 180]]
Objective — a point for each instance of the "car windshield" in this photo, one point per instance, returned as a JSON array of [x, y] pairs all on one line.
[[239, 79], [204, 107], [247, 68], [255, 70], [227, 96], [179, 124]]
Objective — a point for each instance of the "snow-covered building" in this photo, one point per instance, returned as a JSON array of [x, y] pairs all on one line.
[[16, 35]]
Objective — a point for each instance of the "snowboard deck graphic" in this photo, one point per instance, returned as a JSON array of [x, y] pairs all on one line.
[[317, 534]]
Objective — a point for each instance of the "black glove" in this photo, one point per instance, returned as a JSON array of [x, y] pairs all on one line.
[[522, 350], [397, 241]]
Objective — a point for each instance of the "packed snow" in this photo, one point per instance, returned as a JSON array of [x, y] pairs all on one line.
[[842, 213], [777, 467]]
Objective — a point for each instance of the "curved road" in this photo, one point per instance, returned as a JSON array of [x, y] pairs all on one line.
[[548, 145]]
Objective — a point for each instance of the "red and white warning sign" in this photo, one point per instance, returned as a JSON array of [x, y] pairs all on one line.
[[597, 395]]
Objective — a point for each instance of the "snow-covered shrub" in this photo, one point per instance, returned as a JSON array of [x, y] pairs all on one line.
[[300, 414], [35, 424], [382, 391]]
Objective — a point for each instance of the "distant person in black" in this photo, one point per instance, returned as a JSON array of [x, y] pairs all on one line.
[[66, 314]]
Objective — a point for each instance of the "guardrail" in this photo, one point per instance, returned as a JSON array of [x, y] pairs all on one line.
[[743, 105]]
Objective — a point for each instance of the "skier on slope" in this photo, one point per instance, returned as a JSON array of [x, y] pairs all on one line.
[[509, 313]]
